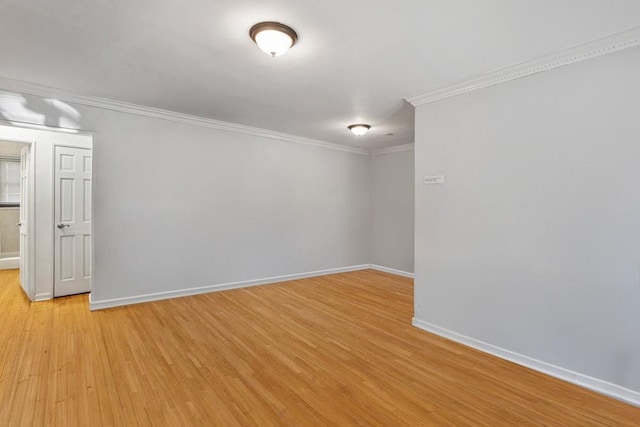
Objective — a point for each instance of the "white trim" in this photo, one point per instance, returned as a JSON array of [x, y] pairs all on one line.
[[43, 297], [391, 270], [10, 263], [34, 126], [124, 107], [592, 49], [115, 302], [597, 385], [393, 149]]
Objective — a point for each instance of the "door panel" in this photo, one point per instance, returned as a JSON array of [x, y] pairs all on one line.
[[66, 200], [86, 268], [86, 212], [73, 221]]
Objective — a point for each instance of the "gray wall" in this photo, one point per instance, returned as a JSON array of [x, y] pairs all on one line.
[[533, 243], [180, 206], [10, 148], [9, 232], [392, 210]]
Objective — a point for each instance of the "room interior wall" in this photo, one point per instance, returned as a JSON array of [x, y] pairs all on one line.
[[533, 243], [9, 232], [179, 206], [392, 210], [9, 217], [10, 148]]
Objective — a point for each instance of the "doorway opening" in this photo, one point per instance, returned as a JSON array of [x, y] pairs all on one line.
[[11, 203], [49, 187]]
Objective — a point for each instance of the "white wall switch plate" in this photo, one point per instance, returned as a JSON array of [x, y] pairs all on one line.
[[434, 179]]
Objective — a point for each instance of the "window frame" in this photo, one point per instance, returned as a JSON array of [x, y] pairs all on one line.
[[18, 160]]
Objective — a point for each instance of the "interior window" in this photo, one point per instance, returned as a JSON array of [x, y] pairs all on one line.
[[9, 181]]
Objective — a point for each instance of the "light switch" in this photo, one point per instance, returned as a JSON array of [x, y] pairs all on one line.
[[433, 179]]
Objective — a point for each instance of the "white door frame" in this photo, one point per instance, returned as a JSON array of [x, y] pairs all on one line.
[[43, 139], [29, 277]]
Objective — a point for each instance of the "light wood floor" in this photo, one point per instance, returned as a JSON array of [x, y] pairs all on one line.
[[336, 350]]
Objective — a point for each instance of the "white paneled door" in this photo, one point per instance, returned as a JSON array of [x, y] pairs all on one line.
[[72, 213], [25, 194]]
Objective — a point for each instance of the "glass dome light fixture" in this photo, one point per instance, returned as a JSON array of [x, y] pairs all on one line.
[[273, 38], [359, 129]]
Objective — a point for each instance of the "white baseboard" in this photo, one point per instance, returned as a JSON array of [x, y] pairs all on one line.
[[9, 263], [391, 270], [116, 302], [612, 390], [43, 297]]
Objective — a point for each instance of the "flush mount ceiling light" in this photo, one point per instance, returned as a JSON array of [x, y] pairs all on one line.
[[359, 129], [273, 38]]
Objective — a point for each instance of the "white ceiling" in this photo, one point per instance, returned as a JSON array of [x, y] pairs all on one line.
[[354, 62]]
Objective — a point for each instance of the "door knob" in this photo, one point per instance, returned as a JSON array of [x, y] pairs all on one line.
[[62, 226]]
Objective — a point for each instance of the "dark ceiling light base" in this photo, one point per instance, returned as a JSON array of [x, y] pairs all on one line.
[[359, 129], [273, 38]]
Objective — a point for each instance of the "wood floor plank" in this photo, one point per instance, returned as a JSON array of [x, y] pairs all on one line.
[[333, 350]]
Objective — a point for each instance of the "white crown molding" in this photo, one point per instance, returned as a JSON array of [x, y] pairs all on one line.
[[582, 380], [392, 149], [592, 49], [140, 110]]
